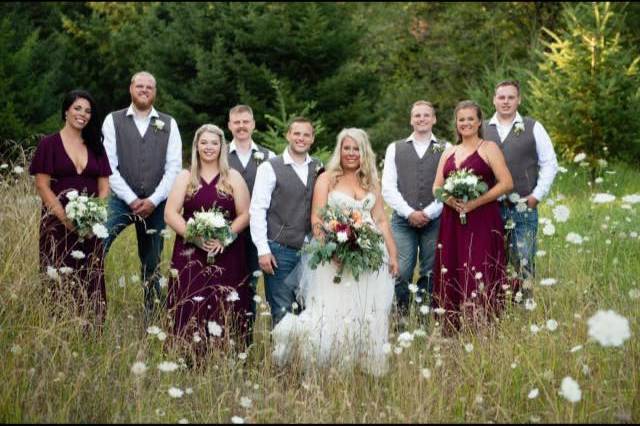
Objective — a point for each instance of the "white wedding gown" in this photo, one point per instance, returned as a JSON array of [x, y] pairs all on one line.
[[343, 324]]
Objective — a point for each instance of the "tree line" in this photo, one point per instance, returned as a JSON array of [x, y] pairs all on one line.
[[343, 64]]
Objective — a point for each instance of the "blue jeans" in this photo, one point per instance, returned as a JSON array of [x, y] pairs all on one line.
[[149, 244], [411, 242], [521, 239], [280, 292]]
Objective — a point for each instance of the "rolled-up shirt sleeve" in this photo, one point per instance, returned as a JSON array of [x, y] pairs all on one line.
[[390, 191], [172, 166], [116, 181], [260, 202], [547, 162]]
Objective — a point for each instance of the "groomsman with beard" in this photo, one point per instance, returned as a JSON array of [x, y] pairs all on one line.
[[281, 214], [410, 166], [532, 162], [245, 156], [145, 154]]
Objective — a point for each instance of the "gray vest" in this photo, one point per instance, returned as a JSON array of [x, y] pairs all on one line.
[[141, 159], [289, 214], [519, 153], [248, 173], [415, 174]]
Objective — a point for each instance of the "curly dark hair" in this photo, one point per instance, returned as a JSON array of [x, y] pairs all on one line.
[[91, 133]]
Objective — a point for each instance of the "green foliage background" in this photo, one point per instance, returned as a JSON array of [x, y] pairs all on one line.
[[345, 64]]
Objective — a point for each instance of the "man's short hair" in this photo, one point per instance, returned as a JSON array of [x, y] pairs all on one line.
[[139, 73], [240, 108], [514, 83], [301, 119], [422, 102]]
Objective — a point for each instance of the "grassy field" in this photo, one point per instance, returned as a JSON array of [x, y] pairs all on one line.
[[52, 372]]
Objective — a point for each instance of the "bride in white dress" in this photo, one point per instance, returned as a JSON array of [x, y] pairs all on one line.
[[347, 323]]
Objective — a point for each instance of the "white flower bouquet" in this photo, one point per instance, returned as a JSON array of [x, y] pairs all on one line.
[[464, 185], [209, 225], [88, 214]]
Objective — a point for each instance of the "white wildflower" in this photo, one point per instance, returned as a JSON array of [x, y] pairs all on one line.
[[197, 299], [575, 349], [233, 296], [608, 328], [570, 390], [552, 325], [245, 402], [99, 230], [579, 157], [175, 392], [405, 339], [154, 330], [530, 304], [631, 199], [214, 328], [52, 273], [413, 288], [602, 198], [549, 229], [574, 238], [468, 347], [64, 270], [138, 368], [426, 373], [161, 336], [634, 293], [561, 213], [547, 282], [342, 237], [168, 367], [237, 420], [18, 170], [533, 393], [77, 254], [183, 421], [424, 309], [534, 329]]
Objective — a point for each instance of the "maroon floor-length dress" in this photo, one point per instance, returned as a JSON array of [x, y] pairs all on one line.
[[84, 282], [470, 265], [201, 293]]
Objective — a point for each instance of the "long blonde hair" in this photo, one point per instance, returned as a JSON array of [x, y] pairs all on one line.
[[223, 187], [367, 173]]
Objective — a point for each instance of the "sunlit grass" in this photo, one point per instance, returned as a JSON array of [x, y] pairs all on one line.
[[53, 372]]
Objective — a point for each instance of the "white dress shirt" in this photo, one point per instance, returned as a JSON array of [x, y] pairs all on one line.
[[261, 198], [547, 161], [390, 191], [172, 165], [244, 157]]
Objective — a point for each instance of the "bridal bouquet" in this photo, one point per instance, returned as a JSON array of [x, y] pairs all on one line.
[[463, 185], [88, 214], [209, 225], [348, 238]]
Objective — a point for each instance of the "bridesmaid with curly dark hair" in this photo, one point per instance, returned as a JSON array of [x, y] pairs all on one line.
[[72, 159]]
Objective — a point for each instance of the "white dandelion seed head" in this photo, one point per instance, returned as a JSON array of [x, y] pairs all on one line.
[[608, 328], [552, 325], [570, 390]]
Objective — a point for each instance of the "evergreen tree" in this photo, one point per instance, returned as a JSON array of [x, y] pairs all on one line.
[[586, 92]]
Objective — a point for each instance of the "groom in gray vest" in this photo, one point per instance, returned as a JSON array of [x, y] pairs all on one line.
[[281, 214], [532, 162], [245, 156], [145, 154], [409, 171]]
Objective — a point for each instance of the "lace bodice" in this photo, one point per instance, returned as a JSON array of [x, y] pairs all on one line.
[[340, 199]]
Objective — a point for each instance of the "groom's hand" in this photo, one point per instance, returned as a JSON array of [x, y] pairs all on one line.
[[418, 219], [268, 263]]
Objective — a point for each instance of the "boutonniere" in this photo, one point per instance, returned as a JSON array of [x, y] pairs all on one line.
[[258, 156], [437, 147], [158, 125], [518, 128]]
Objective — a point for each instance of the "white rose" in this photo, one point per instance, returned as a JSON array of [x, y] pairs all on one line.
[[342, 237], [159, 124], [258, 155]]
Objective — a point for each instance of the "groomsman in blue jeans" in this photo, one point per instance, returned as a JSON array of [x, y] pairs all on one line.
[[407, 179], [532, 162], [281, 214], [145, 154]]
